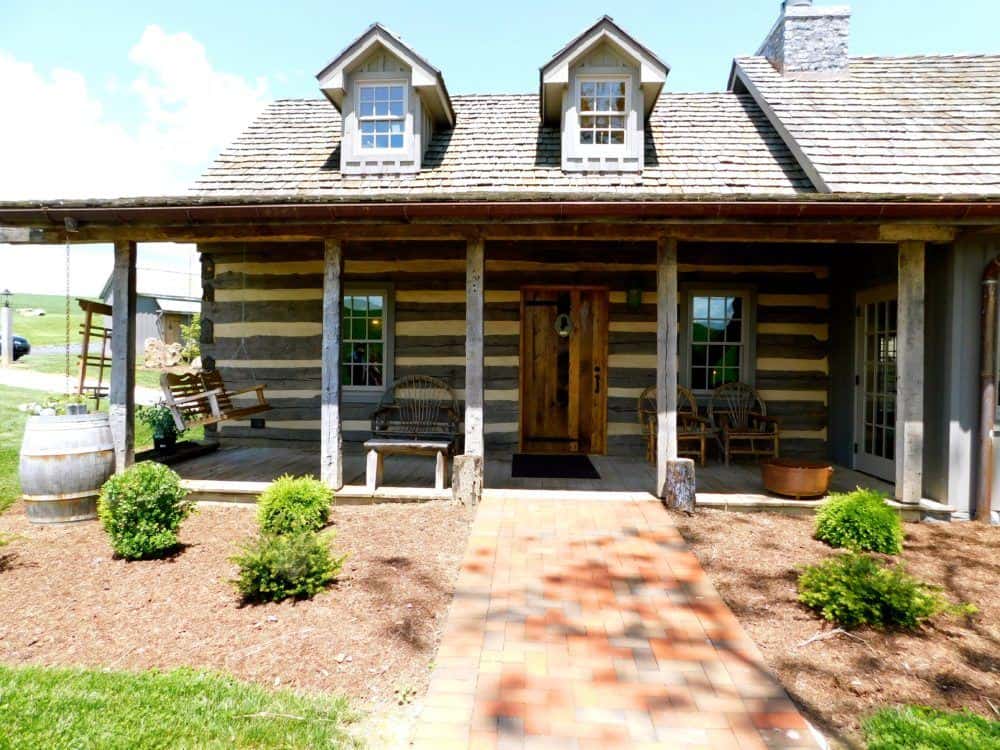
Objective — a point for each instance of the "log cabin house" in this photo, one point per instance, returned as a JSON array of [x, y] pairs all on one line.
[[818, 230]]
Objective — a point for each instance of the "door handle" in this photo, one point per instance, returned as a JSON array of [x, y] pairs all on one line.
[[597, 380]]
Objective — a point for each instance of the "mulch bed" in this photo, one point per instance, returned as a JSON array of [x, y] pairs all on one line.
[[954, 663], [66, 601]]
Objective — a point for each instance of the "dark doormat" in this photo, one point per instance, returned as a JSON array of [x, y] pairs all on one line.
[[552, 466]]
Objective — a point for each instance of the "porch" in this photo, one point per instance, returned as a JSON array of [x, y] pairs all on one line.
[[238, 473], [325, 321]]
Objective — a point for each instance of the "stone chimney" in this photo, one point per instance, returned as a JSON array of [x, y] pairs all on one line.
[[808, 40]]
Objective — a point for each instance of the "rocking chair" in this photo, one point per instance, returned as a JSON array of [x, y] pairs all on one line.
[[201, 398], [739, 414]]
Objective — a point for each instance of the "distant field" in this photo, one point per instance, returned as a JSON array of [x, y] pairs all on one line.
[[56, 363], [50, 328]]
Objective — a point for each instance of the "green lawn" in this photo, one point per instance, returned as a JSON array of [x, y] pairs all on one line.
[[42, 707], [50, 328], [56, 363], [916, 728], [12, 428]]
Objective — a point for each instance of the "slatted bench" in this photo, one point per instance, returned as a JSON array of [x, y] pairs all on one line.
[[418, 416]]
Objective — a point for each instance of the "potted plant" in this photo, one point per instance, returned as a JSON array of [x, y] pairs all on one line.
[[159, 419], [57, 406]]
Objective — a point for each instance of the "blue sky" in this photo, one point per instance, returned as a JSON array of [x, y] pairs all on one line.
[[127, 98], [286, 42]]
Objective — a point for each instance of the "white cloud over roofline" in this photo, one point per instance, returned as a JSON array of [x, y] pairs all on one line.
[[58, 140]]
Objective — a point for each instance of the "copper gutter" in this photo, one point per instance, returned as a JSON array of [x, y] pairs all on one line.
[[988, 391]]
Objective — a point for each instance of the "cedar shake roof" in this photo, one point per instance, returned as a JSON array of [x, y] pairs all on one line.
[[696, 144], [915, 125]]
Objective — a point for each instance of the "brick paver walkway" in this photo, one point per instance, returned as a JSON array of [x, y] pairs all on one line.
[[581, 624]]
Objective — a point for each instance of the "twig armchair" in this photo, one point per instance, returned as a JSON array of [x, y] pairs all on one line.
[[417, 407], [740, 415], [693, 430], [418, 415]]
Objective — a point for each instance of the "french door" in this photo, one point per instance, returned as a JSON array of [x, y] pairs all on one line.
[[875, 383]]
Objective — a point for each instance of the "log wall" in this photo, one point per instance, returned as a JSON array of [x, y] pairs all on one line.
[[263, 304]]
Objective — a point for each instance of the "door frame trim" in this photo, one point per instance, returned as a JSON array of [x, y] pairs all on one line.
[[520, 345]]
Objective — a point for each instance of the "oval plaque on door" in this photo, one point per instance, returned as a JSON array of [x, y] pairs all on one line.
[[563, 325]]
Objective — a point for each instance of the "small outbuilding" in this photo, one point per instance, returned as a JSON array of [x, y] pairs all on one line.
[[165, 301]]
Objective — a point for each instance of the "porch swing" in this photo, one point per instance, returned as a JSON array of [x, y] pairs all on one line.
[[201, 398]]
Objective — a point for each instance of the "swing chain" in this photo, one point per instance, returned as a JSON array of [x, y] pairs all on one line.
[[67, 332]]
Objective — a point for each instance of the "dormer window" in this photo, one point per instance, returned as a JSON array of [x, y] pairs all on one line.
[[603, 112], [599, 90], [382, 115], [390, 99]]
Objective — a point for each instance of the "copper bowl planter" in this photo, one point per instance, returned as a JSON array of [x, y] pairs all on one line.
[[796, 478]]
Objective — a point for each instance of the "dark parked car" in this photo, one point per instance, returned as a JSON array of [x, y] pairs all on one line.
[[21, 347]]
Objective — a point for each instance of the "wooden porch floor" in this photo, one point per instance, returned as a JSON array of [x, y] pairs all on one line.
[[252, 464]]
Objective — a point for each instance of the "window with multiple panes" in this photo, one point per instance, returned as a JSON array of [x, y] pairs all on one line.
[[717, 334], [382, 115], [602, 112], [363, 348]]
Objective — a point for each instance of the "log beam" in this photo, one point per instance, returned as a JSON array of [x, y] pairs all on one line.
[[121, 393], [916, 233], [331, 439], [634, 230], [910, 373]]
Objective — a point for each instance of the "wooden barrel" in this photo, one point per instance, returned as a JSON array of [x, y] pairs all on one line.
[[64, 462]]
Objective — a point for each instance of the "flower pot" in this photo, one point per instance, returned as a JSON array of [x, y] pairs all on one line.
[[165, 443], [796, 478]]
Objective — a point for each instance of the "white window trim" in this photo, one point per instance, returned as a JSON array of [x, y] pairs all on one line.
[[372, 393], [615, 149], [748, 334], [407, 135]]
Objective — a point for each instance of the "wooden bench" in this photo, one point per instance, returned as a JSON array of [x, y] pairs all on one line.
[[418, 415]]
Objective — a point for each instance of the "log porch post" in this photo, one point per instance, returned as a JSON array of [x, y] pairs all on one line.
[[467, 479], [910, 373], [121, 393], [331, 439], [674, 476]]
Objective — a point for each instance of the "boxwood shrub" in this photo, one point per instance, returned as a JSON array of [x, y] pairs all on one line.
[[141, 510], [293, 504], [279, 566], [853, 589], [860, 520]]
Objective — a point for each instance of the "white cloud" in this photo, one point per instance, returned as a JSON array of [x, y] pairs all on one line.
[[59, 141]]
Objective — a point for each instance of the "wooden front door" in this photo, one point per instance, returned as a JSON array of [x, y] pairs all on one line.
[[564, 364]]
